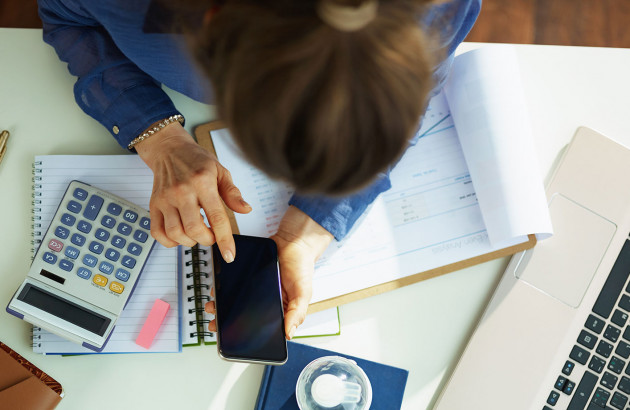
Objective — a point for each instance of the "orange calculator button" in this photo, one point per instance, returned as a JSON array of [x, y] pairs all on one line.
[[100, 280], [116, 287]]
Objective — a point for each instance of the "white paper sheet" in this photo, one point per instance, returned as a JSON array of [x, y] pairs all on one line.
[[429, 218]]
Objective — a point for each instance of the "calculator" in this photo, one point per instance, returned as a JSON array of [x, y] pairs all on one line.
[[86, 267]]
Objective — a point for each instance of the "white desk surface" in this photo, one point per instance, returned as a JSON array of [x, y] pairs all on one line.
[[422, 328]]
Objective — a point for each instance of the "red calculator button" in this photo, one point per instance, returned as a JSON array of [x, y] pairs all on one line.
[[55, 245]]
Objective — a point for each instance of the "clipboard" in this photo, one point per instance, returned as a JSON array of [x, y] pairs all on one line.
[[202, 134]]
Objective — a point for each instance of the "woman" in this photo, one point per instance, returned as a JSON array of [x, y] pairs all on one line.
[[324, 94]]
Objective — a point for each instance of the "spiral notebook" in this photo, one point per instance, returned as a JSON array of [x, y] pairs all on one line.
[[178, 276]]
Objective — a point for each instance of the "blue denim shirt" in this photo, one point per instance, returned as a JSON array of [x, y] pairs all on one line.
[[120, 64]]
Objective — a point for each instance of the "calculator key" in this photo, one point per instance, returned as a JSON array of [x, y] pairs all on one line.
[[124, 229], [83, 273], [68, 219], [140, 236], [78, 239], [90, 260], [100, 280], [74, 206], [134, 249], [114, 209], [112, 254], [61, 232], [101, 234], [66, 265], [119, 242], [80, 194], [55, 245], [116, 287], [595, 324], [106, 267], [84, 226], [130, 216], [145, 223], [128, 262], [123, 275], [49, 257], [93, 207], [108, 222], [96, 247], [72, 252]]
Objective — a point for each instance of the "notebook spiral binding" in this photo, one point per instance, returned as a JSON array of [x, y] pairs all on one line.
[[36, 209], [36, 233], [36, 336], [201, 291]]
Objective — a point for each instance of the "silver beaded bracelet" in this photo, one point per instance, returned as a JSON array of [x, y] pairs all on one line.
[[160, 125]]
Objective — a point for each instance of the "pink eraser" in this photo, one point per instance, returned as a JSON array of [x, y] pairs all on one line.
[[153, 323]]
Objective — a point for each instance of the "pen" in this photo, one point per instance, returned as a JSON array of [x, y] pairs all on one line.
[[4, 137]]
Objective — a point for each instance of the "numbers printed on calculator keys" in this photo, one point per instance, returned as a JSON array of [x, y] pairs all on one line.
[[102, 248]]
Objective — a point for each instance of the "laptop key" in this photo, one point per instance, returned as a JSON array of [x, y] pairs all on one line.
[[601, 397], [579, 355], [587, 339], [623, 349], [604, 348], [560, 382], [596, 364], [583, 391], [624, 303], [614, 283], [616, 365], [608, 380], [553, 398], [594, 323], [626, 333], [618, 400], [569, 387], [568, 367], [624, 385], [612, 333], [619, 318]]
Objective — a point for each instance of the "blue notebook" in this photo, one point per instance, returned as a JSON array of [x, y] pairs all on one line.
[[277, 389]]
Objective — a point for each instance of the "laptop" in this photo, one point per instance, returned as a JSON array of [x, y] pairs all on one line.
[[555, 334]]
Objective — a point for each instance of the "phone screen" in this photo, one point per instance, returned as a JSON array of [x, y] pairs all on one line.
[[249, 312]]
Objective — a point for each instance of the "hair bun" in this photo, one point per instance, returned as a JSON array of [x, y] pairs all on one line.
[[347, 18]]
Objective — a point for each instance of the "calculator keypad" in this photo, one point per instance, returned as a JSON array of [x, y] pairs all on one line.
[[105, 255]]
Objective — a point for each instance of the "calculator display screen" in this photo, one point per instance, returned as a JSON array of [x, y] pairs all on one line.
[[64, 309]]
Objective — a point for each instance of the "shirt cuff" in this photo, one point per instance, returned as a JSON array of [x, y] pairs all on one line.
[[338, 215], [135, 110]]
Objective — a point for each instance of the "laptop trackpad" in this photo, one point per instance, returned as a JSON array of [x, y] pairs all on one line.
[[563, 265]]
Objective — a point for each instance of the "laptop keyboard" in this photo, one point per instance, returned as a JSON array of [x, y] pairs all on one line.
[[603, 347]]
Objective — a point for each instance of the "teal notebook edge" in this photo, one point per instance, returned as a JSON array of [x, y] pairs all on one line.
[[277, 387]]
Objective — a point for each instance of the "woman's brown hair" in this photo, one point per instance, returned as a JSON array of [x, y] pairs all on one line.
[[321, 108]]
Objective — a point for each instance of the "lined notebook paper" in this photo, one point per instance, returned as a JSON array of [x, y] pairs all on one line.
[[128, 177]]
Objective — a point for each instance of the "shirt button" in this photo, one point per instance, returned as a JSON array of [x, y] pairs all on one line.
[[115, 129]]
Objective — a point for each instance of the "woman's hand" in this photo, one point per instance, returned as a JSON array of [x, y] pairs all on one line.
[[301, 241], [187, 178]]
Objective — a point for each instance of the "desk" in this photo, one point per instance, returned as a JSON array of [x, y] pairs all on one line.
[[422, 327]]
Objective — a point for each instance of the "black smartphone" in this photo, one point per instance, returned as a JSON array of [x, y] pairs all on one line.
[[248, 299]]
